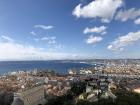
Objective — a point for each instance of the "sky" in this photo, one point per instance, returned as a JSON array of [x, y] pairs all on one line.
[[69, 29]]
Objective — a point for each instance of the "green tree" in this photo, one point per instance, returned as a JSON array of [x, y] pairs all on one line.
[[78, 88]]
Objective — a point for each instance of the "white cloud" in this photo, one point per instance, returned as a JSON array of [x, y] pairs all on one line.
[[104, 9], [123, 41], [124, 15], [33, 33], [43, 27], [6, 39], [137, 21], [49, 40], [10, 50], [101, 29], [103, 33], [93, 39]]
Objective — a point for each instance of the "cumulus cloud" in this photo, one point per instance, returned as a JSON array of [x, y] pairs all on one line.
[[43, 27], [123, 41], [124, 15], [93, 39], [137, 21], [101, 29], [104, 9]]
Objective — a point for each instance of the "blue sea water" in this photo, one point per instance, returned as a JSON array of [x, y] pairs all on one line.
[[58, 66]]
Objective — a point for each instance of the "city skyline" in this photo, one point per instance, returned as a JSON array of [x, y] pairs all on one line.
[[69, 29]]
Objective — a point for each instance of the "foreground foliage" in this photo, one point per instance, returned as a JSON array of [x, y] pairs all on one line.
[[6, 98], [123, 97]]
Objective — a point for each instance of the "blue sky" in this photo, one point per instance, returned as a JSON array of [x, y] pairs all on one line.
[[69, 29]]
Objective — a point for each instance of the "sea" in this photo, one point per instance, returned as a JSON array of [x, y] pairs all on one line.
[[58, 66]]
